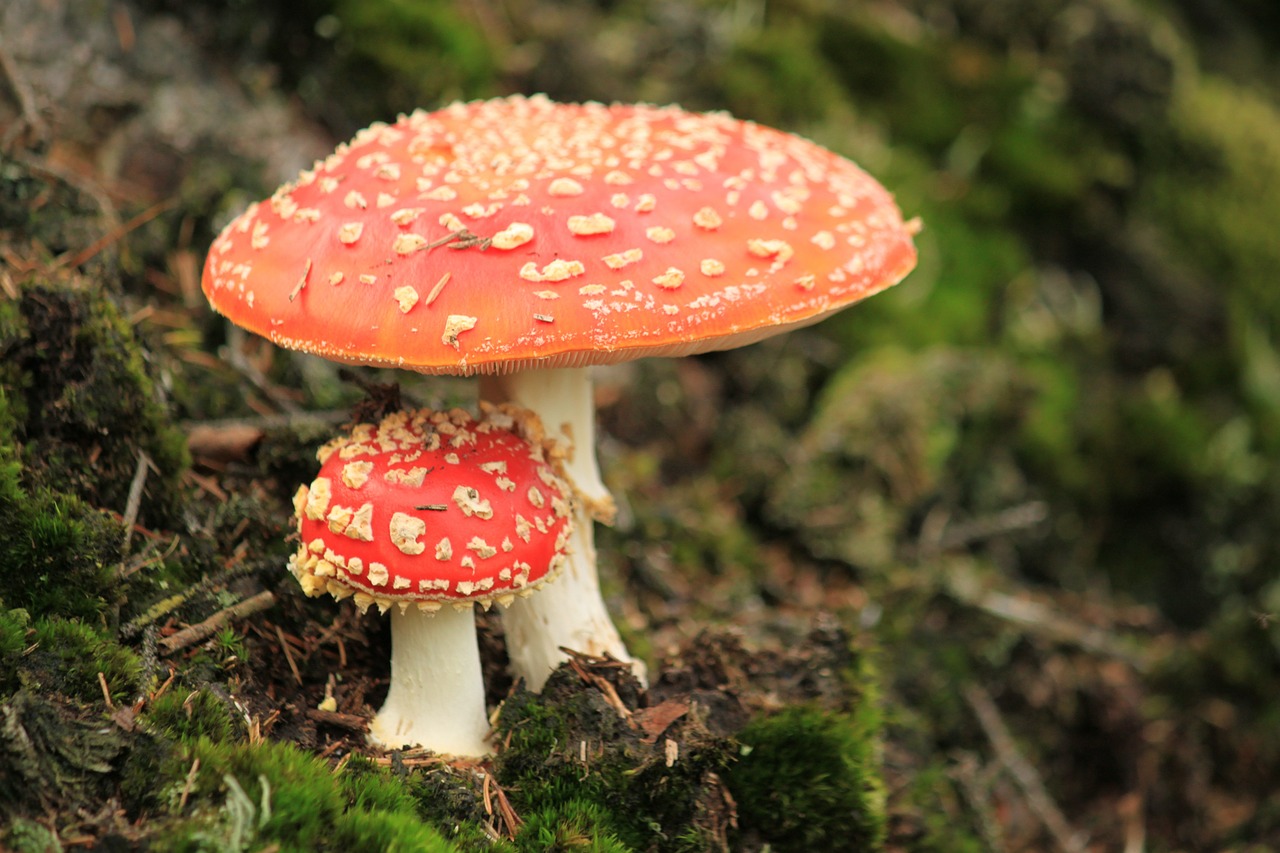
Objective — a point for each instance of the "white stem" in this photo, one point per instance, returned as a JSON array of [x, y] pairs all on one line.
[[436, 698], [570, 610]]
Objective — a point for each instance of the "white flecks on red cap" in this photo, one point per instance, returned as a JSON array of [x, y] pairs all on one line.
[[506, 197], [379, 522]]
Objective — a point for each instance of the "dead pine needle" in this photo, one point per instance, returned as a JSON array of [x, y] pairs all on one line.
[[342, 763], [134, 503], [163, 688], [106, 692], [330, 749], [191, 780], [288, 655], [579, 663], [138, 562], [492, 792], [1023, 772]]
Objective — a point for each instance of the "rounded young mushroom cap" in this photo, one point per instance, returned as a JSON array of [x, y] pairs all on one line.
[[500, 235], [429, 508]]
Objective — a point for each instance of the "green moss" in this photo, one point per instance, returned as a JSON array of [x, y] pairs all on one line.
[[58, 554], [385, 831], [419, 54], [83, 405], [938, 815], [570, 825], [55, 552], [69, 655], [190, 715], [623, 789], [244, 797], [153, 768], [777, 76], [15, 632], [27, 836], [450, 800], [807, 779], [304, 798], [889, 430], [538, 765], [368, 787], [55, 754], [1216, 184]]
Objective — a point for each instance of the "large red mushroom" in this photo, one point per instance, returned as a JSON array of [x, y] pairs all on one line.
[[526, 240], [427, 514]]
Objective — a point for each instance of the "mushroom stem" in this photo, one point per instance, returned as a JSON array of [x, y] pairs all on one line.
[[436, 698], [570, 611]]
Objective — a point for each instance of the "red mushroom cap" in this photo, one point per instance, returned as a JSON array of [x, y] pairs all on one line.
[[512, 233], [433, 507]]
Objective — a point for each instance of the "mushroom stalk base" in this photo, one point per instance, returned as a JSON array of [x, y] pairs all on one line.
[[436, 698], [570, 610]]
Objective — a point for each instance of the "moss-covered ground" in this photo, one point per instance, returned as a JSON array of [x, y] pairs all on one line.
[[986, 563]]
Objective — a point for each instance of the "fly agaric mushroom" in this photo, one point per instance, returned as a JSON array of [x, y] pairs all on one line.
[[526, 240], [433, 512]]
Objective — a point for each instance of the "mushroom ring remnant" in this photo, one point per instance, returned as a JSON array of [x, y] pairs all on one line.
[[428, 509], [527, 240]]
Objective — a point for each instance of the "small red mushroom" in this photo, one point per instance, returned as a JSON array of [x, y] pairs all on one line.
[[527, 240], [426, 514]]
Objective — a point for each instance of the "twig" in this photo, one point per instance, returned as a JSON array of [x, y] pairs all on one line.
[[1046, 621], [195, 633], [224, 439], [1024, 774], [509, 816], [411, 760], [114, 235], [233, 567], [223, 443], [1010, 520], [342, 763], [163, 688], [435, 291], [350, 722]]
